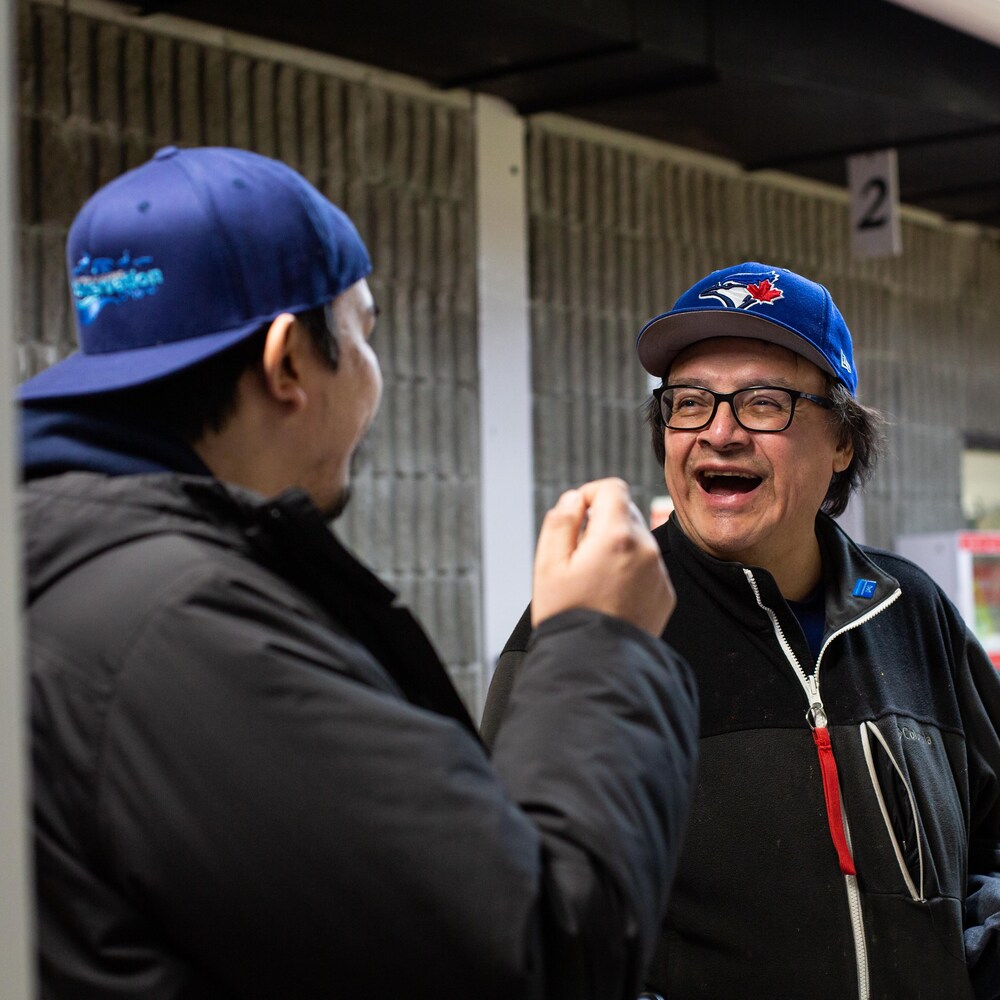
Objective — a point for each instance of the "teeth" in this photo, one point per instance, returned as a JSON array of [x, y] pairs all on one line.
[[729, 475]]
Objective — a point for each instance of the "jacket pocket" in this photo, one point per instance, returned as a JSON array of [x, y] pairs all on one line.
[[898, 807]]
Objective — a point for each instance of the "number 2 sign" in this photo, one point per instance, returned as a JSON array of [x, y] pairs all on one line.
[[873, 182]]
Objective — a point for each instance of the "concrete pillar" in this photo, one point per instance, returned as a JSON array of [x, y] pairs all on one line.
[[16, 975], [504, 372]]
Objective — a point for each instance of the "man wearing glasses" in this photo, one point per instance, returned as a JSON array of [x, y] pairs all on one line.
[[844, 834]]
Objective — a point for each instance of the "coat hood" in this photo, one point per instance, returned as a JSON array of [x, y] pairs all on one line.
[[72, 518]]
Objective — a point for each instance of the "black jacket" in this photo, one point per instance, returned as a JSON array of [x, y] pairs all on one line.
[[252, 777], [762, 905]]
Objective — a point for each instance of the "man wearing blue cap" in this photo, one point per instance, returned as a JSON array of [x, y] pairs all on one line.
[[845, 832], [252, 776]]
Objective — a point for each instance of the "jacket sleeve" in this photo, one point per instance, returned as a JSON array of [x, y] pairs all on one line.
[[575, 747], [979, 691], [502, 683], [296, 828]]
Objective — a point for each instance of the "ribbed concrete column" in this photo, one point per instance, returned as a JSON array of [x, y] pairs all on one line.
[[16, 979], [504, 372]]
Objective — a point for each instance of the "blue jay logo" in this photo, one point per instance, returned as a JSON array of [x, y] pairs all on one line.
[[745, 291], [97, 282]]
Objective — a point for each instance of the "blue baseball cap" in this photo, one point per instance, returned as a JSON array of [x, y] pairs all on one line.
[[186, 255], [757, 301]]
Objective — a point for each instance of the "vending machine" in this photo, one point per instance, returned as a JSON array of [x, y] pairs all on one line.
[[967, 566]]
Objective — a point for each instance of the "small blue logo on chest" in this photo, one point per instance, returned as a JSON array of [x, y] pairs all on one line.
[[864, 588]]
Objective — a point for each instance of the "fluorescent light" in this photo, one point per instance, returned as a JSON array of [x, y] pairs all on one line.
[[980, 18]]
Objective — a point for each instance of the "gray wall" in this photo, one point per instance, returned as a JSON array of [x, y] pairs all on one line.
[[618, 227], [621, 226], [97, 97], [17, 964]]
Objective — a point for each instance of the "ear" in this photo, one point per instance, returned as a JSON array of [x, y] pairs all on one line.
[[282, 362], [843, 455]]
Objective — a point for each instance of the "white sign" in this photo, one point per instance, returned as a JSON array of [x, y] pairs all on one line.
[[873, 181]]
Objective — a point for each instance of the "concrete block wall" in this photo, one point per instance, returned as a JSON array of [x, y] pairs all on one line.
[[620, 226], [100, 91]]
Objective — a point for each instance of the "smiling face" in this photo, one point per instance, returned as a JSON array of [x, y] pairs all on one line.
[[749, 497]]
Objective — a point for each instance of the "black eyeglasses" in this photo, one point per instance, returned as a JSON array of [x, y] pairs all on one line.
[[766, 409]]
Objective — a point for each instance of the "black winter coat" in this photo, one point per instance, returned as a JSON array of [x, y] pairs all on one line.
[[252, 777], [763, 904]]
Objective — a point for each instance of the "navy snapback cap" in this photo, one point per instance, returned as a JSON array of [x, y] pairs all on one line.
[[757, 301], [187, 254]]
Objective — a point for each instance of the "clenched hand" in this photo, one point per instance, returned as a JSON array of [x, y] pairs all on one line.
[[594, 551]]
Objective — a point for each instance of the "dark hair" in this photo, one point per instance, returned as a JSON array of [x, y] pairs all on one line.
[[202, 398], [860, 425]]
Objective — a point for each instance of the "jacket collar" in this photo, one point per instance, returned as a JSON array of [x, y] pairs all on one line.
[[76, 516], [853, 584]]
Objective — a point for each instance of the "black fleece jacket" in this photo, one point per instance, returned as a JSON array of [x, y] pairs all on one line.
[[761, 906]]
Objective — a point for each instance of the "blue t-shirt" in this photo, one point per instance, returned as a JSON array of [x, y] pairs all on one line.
[[811, 615]]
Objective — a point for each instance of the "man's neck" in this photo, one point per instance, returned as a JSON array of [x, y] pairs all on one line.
[[798, 571]]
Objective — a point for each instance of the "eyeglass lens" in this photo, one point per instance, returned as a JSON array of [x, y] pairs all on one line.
[[757, 409]]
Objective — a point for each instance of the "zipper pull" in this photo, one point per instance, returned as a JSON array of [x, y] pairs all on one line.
[[816, 714], [831, 792]]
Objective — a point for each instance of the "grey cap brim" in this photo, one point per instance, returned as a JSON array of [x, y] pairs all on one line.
[[663, 338]]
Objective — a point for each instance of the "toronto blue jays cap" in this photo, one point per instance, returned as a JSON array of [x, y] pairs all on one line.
[[757, 301], [187, 254]]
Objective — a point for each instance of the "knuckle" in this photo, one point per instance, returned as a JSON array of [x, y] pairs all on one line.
[[554, 515], [613, 484], [620, 488], [622, 539]]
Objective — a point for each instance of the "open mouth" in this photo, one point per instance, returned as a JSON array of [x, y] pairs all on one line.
[[727, 483]]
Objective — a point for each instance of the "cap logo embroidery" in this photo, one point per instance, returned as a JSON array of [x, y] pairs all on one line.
[[864, 588], [101, 281], [754, 291], [844, 363]]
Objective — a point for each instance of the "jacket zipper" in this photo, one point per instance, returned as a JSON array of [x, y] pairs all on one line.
[[836, 814]]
